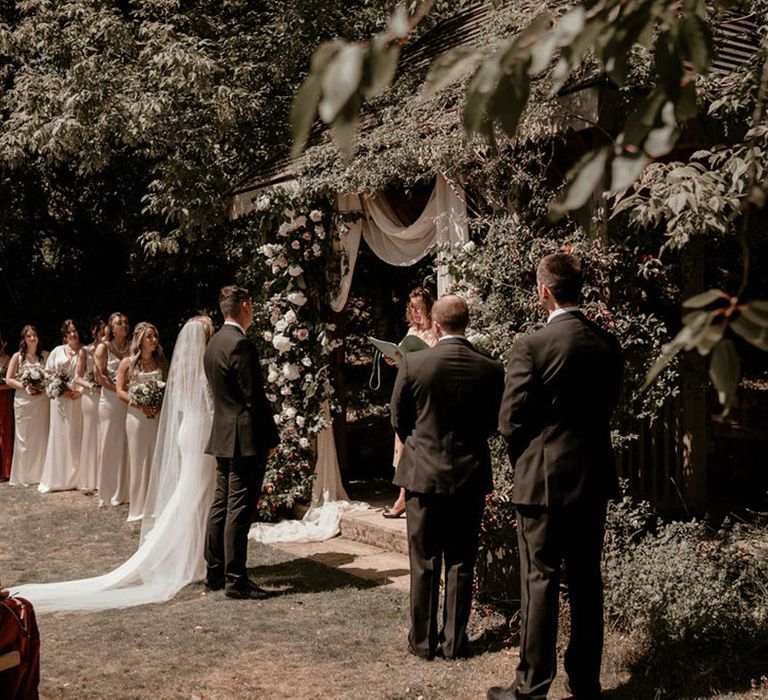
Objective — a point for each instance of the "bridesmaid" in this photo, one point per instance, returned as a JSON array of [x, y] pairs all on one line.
[[60, 469], [31, 408], [88, 472], [6, 416], [146, 363], [113, 453]]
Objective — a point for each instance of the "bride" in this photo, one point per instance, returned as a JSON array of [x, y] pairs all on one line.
[[170, 554]]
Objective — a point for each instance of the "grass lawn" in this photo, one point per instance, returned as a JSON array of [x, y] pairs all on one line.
[[329, 635]]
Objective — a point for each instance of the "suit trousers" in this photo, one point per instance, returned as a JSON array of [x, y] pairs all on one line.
[[442, 528], [549, 538], [238, 486]]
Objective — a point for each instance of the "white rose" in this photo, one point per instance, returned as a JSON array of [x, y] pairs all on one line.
[[290, 413], [291, 371], [276, 418], [295, 270], [300, 420], [262, 203], [273, 376], [267, 336], [283, 229], [286, 391], [302, 334], [303, 443], [469, 247], [306, 361], [315, 215], [295, 245], [290, 317], [281, 325], [317, 250], [297, 298], [281, 343], [272, 397]]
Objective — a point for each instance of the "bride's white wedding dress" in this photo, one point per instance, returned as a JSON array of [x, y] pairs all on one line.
[[170, 554]]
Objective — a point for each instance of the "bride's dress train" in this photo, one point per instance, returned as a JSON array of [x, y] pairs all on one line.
[[329, 502], [180, 492]]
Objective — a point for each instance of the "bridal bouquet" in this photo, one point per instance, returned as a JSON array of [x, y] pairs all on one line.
[[34, 376], [3, 370], [147, 395], [57, 382]]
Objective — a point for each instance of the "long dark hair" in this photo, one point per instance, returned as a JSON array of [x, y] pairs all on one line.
[[23, 343], [67, 326]]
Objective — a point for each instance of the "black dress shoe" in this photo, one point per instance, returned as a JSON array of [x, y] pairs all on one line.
[[427, 656], [499, 693], [214, 585], [250, 593]]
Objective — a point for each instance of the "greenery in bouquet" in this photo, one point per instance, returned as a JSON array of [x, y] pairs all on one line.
[[3, 371], [147, 395], [33, 376], [292, 240], [57, 382]]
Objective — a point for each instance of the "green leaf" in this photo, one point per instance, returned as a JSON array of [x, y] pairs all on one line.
[[303, 112], [584, 179], [668, 353], [699, 301], [479, 94], [725, 372], [570, 25], [757, 312], [660, 141], [381, 66], [344, 128], [626, 169], [341, 80], [509, 100], [450, 66], [399, 23], [698, 42], [751, 332], [711, 334], [541, 53]]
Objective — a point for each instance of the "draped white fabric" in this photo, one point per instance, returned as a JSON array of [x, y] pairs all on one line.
[[443, 222], [329, 501]]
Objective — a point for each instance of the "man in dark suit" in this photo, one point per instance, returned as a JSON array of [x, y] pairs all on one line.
[[444, 409], [243, 437], [563, 383]]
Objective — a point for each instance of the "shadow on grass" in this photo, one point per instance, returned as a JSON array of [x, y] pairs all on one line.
[[306, 576], [686, 671]]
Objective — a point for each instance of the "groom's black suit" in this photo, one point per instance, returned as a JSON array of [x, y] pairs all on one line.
[[563, 383], [242, 434], [444, 408]]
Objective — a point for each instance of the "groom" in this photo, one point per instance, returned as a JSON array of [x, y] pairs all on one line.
[[243, 437]]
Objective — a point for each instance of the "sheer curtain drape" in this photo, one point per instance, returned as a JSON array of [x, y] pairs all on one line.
[[442, 222]]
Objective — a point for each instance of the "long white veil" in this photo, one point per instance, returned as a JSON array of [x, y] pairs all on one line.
[[170, 554]]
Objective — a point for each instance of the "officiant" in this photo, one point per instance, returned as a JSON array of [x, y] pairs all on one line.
[[418, 314]]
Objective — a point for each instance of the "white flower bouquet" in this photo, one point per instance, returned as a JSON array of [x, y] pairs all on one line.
[[34, 376], [147, 395], [57, 382]]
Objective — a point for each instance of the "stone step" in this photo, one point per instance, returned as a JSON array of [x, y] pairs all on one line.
[[369, 527]]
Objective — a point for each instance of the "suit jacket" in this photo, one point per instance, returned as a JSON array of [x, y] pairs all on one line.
[[242, 417], [563, 384], [444, 408]]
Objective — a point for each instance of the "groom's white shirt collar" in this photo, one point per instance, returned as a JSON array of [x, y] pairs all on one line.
[[562, 310], [235, 324], [445, 337]]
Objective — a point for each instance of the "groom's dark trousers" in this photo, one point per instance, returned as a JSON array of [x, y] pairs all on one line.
[[444, 409], [562, 385], [242, 434]]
